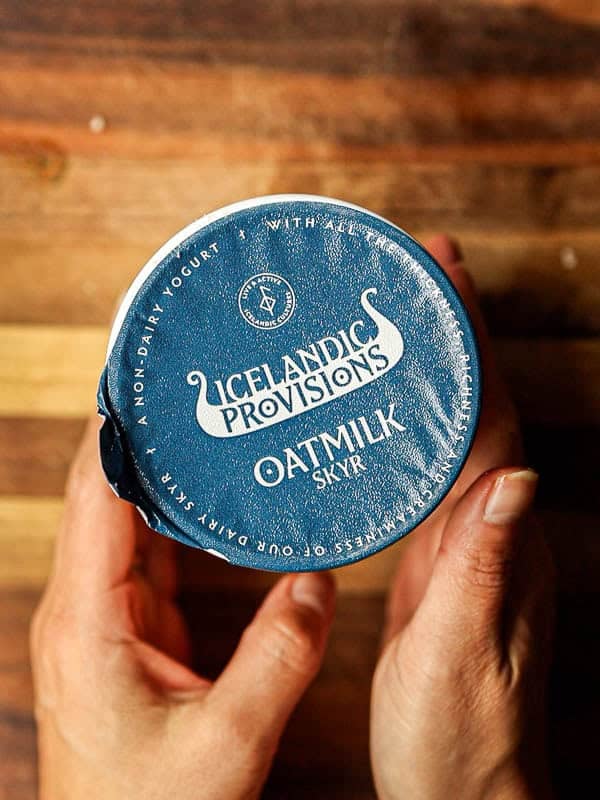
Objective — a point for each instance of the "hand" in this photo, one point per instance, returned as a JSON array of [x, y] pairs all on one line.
[[120, 713], [458, 693]]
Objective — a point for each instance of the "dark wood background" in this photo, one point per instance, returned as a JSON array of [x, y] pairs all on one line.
[[122, 121]]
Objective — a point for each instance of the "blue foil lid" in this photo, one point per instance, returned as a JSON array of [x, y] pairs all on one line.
[[292, 383]]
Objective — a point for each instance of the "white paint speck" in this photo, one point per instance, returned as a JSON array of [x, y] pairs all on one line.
[[97, 123], [568, 258]]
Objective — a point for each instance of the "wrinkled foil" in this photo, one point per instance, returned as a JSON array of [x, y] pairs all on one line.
[[183, 451]]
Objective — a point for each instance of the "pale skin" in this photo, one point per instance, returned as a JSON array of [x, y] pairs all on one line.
[[457, 696]]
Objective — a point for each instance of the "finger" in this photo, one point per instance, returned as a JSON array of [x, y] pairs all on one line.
[[470, 579], [278, 656], [101, 537], [410, 581], [172, 675], [445, 250], [449, 256], [96, 543], [529, 619], [156, 558], [161, 564], [156, 620]]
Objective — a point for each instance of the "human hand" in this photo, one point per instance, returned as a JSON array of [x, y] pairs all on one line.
[[458, 694], [120, 712]]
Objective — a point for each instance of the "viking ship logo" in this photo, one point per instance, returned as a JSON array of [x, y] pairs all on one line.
[[330, 368]]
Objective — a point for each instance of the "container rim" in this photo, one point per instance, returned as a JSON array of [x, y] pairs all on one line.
[[207, 219]]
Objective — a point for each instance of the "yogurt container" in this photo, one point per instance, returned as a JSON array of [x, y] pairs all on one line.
[[292, 383]]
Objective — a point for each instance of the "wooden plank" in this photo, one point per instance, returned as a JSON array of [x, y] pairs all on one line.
[[545, 284], [48, 146], [15, 683], [153, 108], [347, 37], [17, 730], [584, 10], [577, 9], [49, 367], [52, 371], [36, 454], [554, 382], [27, 532], [102, 198], [567, 460], [68, 279], [28, 528], [531, 283]]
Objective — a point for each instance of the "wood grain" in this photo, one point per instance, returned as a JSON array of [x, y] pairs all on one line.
[[28, 528], [340, 34], [49, 371], [36, 454], [531, 283], [478, 117], [27, 532], [101, 197]]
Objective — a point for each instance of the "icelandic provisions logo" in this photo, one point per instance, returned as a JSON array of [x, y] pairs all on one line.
[[266, 301], [324, 370]]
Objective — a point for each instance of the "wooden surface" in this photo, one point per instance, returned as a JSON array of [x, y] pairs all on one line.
[[121, 122]]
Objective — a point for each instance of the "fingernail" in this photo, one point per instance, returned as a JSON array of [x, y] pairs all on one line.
[[510, 497], [312, 590]]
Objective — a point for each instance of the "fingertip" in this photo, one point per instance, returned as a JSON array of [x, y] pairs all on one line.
[[463, 281], [498, 497], [314, 590], [85, 470], [448, 253], [279, 653], [480, 541], [96, 539], [510, 496], [445, 249], [91, 433], [450, 258], [476, 558], [300, 608]]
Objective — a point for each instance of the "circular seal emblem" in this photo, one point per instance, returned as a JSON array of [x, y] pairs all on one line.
[[266, 301]]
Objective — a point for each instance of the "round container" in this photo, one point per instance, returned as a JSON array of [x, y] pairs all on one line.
[[292, 383]]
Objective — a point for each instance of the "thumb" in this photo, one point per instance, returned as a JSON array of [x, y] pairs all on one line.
[[278, 656], [466, 594]]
